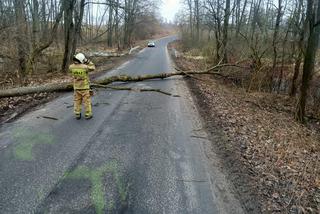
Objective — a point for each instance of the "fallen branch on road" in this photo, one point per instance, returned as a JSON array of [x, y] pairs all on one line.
[[131, 89], [50, 118], [59, 87]]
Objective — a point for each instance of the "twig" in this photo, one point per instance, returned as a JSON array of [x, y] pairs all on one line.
[[201, 137], [217, 67], [51, 118], [197, 78], [191, 180], [256, 104], [155, 90]]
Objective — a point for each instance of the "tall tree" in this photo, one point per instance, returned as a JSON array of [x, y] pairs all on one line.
[[225, 31], [21, 33], [197, 19], [110, 24], [69, 32], [78, 24], [190, 8], [313, 17], [300, 27], [275, 42]]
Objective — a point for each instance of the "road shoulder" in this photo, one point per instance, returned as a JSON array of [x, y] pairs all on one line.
[[271, 160]]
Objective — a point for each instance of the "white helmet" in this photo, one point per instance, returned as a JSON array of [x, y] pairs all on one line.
[[80, 57]]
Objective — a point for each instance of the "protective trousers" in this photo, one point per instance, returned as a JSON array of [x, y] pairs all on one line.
[[82, 96]]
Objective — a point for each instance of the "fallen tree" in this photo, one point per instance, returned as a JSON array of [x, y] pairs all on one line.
[[133, 89], [59, 87]]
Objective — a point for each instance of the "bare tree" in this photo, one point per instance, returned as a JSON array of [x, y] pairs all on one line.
[[275, 42], [21, 33], [300, 26], [69, 32], [313, 17], [225, 30]]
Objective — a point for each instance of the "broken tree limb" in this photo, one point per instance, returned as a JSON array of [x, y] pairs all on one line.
[[59, 87], [56, 87], [132, 89]]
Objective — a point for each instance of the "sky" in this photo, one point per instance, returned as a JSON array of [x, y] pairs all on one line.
[[169, 8]]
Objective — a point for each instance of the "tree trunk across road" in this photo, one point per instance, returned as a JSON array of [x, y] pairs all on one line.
[[58, 87]]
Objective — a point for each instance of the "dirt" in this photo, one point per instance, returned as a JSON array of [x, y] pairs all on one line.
[[271, 160]]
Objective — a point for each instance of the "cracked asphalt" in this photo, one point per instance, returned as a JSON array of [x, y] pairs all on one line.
[[143, 152]]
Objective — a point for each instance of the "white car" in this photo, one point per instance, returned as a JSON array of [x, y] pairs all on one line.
[[151, 44]]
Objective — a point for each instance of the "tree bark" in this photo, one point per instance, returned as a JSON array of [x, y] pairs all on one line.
[[309, 59], [68, 32], [110, 28], [78, 25], [58, 87], [190, 17], [225, 31], [300, 50], [197, 18], [275, 43], [21, 33]]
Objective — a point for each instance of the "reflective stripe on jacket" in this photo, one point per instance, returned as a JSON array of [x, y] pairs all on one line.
[[80, 75]]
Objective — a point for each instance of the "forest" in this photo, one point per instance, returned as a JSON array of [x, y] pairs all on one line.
[[276, 40], [43, 35], [264, 102]]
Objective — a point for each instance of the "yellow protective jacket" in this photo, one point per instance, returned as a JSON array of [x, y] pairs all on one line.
[[80, 75]]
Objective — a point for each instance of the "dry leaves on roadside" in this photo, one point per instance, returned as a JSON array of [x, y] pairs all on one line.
[[283, 154]]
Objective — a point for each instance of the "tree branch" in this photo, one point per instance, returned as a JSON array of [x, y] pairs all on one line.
[[121, 78], [131, 89]]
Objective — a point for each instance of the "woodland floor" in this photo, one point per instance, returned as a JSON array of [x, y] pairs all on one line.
[[272, 161]]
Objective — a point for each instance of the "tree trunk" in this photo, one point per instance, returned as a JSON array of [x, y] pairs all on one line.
[[197, 17], [110, 23], [117, 34], [78, 25], [275, 43], [68, 33], [239, 24], [190, 18], [122, 78], [225, 31], [21, 33], [301, 48], [309, 59]]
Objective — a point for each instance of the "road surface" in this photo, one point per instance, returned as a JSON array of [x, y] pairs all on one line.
[[143, 152]]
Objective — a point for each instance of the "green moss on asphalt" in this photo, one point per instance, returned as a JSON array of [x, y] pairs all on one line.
[[111, 205], [96, 178], [26, 140]]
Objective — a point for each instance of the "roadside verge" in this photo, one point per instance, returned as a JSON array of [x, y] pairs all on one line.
[[272, 161]]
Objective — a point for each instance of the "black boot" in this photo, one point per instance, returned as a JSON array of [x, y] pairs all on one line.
[[78, 116]]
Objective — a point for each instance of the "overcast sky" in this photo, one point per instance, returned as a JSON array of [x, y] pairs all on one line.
[[169, 8]]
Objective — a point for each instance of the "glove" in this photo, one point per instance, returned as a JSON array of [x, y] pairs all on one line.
[[86, 61], [91, 92]]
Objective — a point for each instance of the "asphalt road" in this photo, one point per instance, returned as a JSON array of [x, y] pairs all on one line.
[[143, 152]]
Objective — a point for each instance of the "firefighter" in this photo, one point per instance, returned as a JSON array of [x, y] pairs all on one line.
[[81, 84]]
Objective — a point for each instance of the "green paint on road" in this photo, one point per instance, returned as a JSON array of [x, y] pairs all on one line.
[[26, 140], [96, 178]]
